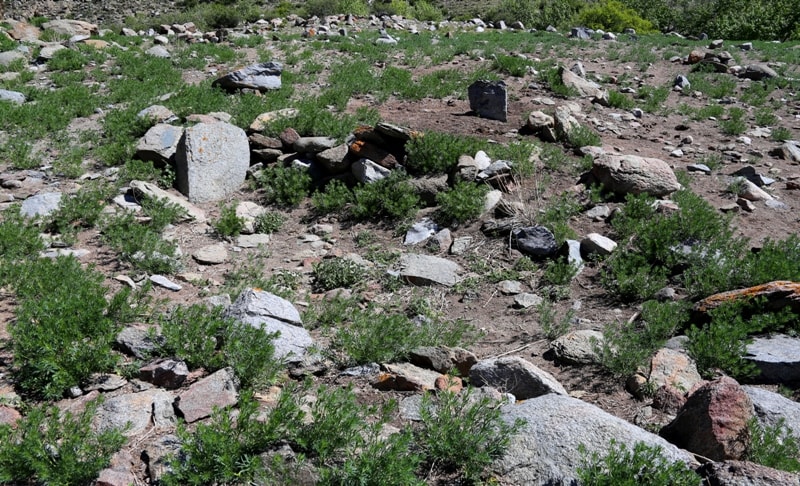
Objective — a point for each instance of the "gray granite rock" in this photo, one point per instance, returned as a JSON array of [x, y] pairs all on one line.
[[212, 161], [263, 77], [514, 375]]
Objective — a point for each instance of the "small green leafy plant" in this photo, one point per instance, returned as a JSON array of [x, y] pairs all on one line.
[[463, 432], [228, 224], [643, 465], [285, 186], [463, 203], [773, 446], [53, 447], [336, 273]]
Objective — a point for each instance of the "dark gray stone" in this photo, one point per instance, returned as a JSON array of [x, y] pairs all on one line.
[[534, 240], [166, 373], [263, 77], [489, 99], [159, 144], [514, 375]]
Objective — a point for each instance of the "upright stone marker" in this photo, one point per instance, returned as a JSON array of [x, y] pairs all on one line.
[[489, 99], [212, 161]]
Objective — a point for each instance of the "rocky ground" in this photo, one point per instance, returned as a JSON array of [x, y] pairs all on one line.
[[565, 403]]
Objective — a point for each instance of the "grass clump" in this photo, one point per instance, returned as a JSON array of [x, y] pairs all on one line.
[[141, 245], [205, 338], [51, 447], [463, 432], [285, 186], [438, 153], [392, 198], [735, 124], [642, 465], [334, 273], [62, 333], [374, 335], [773, 446], [627, 346], [229, 224], [464, 202], [269, 222]]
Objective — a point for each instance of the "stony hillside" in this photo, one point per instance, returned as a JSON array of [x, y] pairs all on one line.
[[315, 250]]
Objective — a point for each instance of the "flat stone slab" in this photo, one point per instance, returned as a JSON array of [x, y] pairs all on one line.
[[41, 204], [217, 390], [515, 375], [429, 270], [152, 191], [777, 358], [406, 377], [777, 295], [263, 77], [135, 410]]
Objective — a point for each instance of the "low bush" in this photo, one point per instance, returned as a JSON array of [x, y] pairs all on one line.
[[721, 344], [642, 465], [19, 238], [773, 446], [373, 335], [536, 13], [333, 199], [629, 345], [392, 198], [226, 449], [269, 222], [613, 16], [62, 333], [438, 153], [204, 338], [464, 202], [52, 447], [334, 273], [463, 432], [228, 224], [285, 186]]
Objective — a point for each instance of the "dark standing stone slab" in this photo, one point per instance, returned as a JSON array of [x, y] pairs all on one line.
[[489, 99]]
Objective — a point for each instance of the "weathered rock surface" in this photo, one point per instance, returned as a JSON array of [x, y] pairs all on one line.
[[167, 373], [771, 408], [147, 189], [135, 411], [41, 204], [777, 358], [159, 144], [514, 375], [635, 175], [443, 359], [578, 347], [212, 161], [429, 270], [713, 422], [673, 368], [545, 451], [262, 77], [271, 313], [220, 389], [741, 473], [406, 377]]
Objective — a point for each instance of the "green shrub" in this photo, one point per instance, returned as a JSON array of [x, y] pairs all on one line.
[[19, 238], [735, 124], [557, 214], [551, 75], [781, 134], [392, 198], [51, 447], [722, 343], [512, 65], [142, 245], [462, 432], [285, 186], [654, 97], [227, 448], [203, 338], [219, 16], [613, 16], [552, 325], [334, 199], [334, 273], [644, 465], [62, 333], [672, 246], [373, 335], [228, 223], [438, 153], [559, 272], [619, 100], [464, 202], [427, 12], [582, 136], [629, 345], [81, 210], [67, 60], [269, 222], [536, 13], [773, 446]]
